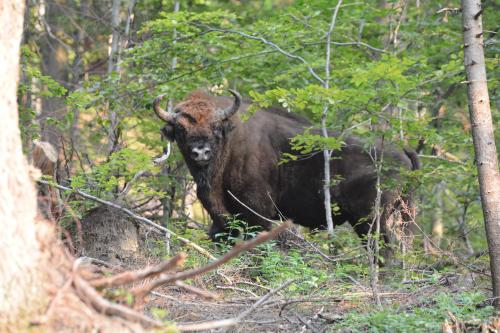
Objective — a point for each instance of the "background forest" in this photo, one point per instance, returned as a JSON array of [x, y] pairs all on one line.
[[90, 71]]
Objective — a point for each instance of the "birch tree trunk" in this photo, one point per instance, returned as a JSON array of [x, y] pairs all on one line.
[[482, 134], [21, 292]]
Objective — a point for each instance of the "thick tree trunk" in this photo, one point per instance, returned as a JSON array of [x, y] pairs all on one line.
[[21, 291], [482, 133]]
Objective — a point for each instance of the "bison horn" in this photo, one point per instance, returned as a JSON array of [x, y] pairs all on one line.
[[228, 112], [162, 114]]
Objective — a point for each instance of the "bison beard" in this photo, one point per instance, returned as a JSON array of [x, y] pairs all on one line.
[[243, 158]]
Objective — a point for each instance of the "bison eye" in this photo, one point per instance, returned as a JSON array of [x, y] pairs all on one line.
[[168, 132]]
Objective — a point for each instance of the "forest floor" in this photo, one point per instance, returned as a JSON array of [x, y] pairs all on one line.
[[308, 284], [298, 290]]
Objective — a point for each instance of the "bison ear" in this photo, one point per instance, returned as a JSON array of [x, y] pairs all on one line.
[[167, 132]]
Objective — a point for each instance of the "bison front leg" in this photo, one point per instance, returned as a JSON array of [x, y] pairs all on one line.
[[219, 231], [213, 202]]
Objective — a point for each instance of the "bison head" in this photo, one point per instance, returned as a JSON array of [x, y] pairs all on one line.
[[197, 125]]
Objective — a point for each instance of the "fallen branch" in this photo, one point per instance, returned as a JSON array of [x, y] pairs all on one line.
[[139, 218], [141, 292], [207, 325], [102, 305], [197, 291], [131, 276], [263, 299]]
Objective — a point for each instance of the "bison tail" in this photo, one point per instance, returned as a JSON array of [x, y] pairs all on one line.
[[413, 156]]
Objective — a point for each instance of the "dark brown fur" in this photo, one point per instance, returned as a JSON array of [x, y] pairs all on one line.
[[246, 162]]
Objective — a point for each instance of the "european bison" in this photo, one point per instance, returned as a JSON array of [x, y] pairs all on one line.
[[225, 154]]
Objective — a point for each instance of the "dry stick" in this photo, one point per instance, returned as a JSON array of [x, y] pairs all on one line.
[[373, 240], [263, 299], [142, 219], [225, 323], [131, 276], [87, 292], [197, 291], [140, 292], [237, 289]]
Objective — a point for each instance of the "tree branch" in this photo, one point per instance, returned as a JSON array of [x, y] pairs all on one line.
[[130, 276], [266, 42]]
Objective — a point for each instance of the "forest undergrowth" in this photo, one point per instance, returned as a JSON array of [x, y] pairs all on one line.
[[323, 286]]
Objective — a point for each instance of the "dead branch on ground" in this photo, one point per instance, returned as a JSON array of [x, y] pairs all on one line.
[[140, 292], [129, 276], [84, 283]]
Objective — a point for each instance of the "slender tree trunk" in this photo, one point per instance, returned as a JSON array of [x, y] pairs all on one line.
[[168, 201], [113, 135], [21, 289], [482, 134], [54, 64], [327, 153], [78, 69]]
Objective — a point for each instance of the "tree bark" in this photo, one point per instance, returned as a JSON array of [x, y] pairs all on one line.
[[21, 291], [482, 134]]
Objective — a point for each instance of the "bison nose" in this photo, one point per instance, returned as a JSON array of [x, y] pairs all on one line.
[[201, 153]]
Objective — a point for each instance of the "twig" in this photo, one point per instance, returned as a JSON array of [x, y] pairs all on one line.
[[140, 292], [142, 219], [263, 299], [254, 284], [127, 187], [453, 10], [207, 325], [237, 289], [226, 323], [130, 276], [307, 323], [197, 291], [164, 156], [251, 210]]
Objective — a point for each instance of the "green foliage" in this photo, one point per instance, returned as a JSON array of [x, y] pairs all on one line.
[[276, 267], [425, 318], [115, 173], [47, 87]]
